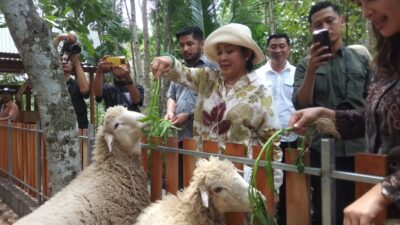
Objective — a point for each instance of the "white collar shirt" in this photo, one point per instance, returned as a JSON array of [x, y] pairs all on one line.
[[281, 85]]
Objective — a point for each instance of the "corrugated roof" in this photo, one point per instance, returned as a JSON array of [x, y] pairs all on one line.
[[6, 42]]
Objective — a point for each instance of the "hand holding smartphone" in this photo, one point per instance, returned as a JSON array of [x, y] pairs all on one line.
[[322, 37]]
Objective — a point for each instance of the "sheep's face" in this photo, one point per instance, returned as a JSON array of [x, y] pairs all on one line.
[[122, 126], [223, 186]]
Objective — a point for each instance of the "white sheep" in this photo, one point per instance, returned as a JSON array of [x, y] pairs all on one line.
[[216, 188], [112, 190]]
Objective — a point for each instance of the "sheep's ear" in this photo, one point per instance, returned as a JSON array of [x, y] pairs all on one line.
[[109, 140], [204, 195]]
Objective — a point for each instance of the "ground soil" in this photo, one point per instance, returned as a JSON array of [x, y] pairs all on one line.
[[7, 216]]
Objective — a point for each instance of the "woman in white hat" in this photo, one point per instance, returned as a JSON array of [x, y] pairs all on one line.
[[232, 104]]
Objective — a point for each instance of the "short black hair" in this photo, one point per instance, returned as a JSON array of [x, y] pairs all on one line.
[[320, 6], [278, 35], [194, 30]]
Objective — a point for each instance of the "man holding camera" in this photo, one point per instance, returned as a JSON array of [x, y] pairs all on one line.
[[78, 88], [337, 79], [123, 91]]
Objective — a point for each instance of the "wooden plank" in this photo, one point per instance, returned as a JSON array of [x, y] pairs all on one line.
[[235, 218], [262, 184], [171, 167], [14, 153], [31, 159], [189, 162], [45, 171], [145, 162], [156, 172], [370, 164], [298, 199], [210, 146], [84, 148], [3, 149]]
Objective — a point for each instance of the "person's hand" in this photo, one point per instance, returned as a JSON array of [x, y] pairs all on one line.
[[169, 116], [301, 118], [180, 119], [366, 209], [122, 72], [316, 59], [75, 59], [69, 37], [161, 65], [103, 65]]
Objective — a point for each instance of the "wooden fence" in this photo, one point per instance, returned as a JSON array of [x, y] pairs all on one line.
[[28, 163], [25, 168]]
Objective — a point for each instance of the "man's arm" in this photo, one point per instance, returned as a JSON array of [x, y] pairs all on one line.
[[83, 83], [303, 97], [171, 106], [99, 78]]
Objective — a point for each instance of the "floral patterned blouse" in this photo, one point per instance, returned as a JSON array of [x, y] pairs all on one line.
[[244, 115]]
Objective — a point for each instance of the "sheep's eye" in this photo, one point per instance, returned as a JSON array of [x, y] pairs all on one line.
[[218, 189], [116, 125]]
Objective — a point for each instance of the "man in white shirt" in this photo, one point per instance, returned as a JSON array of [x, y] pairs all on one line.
[[278, 75]]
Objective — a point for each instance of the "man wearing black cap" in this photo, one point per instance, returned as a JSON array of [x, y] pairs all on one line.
[[9, 110]]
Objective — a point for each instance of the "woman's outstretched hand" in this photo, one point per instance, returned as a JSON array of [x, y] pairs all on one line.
[[301, 118], [161, 65]]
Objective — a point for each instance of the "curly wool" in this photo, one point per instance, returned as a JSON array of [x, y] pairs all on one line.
[[112, 190], [187, 208]]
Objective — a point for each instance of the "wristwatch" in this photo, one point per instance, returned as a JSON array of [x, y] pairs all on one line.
[[129, 82]]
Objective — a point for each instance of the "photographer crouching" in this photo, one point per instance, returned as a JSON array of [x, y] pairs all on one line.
[[78, 88], [123, 91]]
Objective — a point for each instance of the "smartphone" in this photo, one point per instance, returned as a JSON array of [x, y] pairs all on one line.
[[322, 36], [116, 60]]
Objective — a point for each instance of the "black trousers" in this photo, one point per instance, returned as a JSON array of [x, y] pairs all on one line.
[[345, 193]]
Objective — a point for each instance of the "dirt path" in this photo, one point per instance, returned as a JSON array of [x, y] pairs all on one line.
[[7, 216]]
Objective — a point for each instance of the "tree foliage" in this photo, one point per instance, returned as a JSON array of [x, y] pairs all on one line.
[[83, 16]]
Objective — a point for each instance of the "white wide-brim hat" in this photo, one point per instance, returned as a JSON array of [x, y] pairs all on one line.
[[235, 34]]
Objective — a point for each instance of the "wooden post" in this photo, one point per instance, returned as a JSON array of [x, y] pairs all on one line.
[[370, 164], [298, 199], [262, 184], [189, 162], [156, 171], [235, 218], [171, 167]]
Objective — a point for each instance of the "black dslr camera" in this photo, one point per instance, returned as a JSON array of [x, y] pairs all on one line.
[[70, 48]]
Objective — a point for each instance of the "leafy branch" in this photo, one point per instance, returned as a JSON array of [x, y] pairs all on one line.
[[260, 212], [158, 126]]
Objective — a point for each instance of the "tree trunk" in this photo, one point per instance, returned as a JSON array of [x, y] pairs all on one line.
[[40, 59], [146, 52], [271, 16], [158, 29], [136, 50]]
